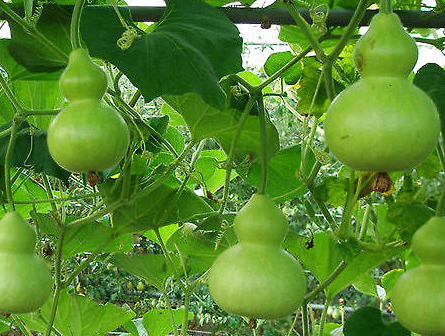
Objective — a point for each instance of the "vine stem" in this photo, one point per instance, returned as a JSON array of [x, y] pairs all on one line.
[[294, 322], [350, 203], [263, 151], [32, 29], [49, 192], [305, 319], [8, 155], [440, 204], [61, 199], [231, 155], [327, 303], [305, 29], [324, 284], [169, 259], [97, 214], [170, 310], [59, 285]]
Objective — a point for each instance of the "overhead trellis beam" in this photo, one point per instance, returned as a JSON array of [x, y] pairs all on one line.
[[336, 17], [278, 16]]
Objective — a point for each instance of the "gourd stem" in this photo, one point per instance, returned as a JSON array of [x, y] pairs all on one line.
[[49, 192], [8, 155], [263, 151], [294, 322], [305, 319], [59, 284], [170, 311], [385, 6], [75, 21], [440, 203], [306, 30], [231, 155], [327, 303]]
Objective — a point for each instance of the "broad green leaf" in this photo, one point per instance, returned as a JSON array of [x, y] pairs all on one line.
[[54, 24], [151, 267], [150, 209], [91, 236], [16, 71], [31, 151], [198, 249], [389, 279], [79, 316], [38, 95], [45, 223], [429, 168], [86, 238], [282, 181], [330, 329], [293, 35], [325, 256], [158, 321], [366, 285], [321, 259], [205, 121], [181, 54], [277, 60], [134, 328], [368, 321], [363, 263], [431, 79], [165, 232], [209, 167], [408, 217], [175, 117], [26, 190], [306, 89]]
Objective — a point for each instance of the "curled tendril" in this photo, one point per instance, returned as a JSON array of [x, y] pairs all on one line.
[[319, 17], [127, 38], [37, 12]]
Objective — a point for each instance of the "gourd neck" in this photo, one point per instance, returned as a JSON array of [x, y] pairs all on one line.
[[385, 6]]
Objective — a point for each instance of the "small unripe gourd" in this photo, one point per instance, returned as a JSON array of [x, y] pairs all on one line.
[[383, 122], [87, 135], [419, 294], [256, 278], [25, 281]]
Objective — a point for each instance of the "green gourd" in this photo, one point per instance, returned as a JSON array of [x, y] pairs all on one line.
[[419, 294], [256, 278], [25, 281], [383, 122], [87, 135]]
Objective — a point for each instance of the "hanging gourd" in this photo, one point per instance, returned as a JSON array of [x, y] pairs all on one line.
[[256, 278], [87, 135], [25, 281], [418, 297], [383, 122]]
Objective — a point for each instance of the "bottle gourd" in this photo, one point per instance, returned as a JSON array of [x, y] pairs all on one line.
[[25, 281], [383, 122], [418, 298], [256, 278], [87, 135]]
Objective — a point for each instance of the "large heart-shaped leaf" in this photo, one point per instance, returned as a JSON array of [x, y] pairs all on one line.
[[189, 50]]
